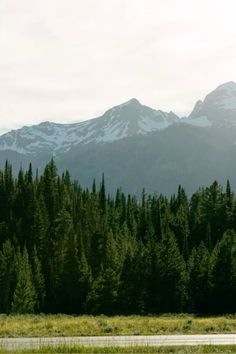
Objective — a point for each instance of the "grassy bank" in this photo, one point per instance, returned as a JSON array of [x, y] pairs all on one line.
[[63, 325], [108, 350]]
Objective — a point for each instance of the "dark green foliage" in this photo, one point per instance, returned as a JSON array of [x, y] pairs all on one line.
[[198, 265], [38, 281], [7, 276], [222, 274], [66, 249], [170, 276], [24, 297]]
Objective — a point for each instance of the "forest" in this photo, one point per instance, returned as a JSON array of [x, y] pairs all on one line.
[[66, 249]]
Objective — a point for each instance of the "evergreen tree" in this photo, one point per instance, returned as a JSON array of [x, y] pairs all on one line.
[[222, 274], [104, 292], [198, 265], [50, 190], [181, 230], [7, 276], [170, 275], [75, 278], [93, 253], [102, 195], [38, 281], [24, 297]]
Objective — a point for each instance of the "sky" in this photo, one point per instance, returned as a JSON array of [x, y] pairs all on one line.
[[71, 60]]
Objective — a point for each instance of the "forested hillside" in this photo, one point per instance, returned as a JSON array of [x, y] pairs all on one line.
[[72, 250]]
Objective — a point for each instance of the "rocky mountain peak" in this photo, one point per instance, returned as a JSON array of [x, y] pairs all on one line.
[[224, 96], [218, 107]]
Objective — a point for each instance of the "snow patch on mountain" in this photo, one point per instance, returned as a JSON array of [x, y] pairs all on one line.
[[224, 96], [128, 119], [218, 108], [147, 124], [201, 121]]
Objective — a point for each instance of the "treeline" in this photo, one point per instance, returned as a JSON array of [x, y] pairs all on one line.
[[71, 250]]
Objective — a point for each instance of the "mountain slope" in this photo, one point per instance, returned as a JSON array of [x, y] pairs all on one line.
[[136, 146], [128, 119], [160, 161], [218, 107]]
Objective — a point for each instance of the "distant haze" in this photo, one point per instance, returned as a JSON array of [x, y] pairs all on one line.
[[70, 60]]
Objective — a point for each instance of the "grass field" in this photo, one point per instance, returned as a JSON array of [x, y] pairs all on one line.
[[63, 325], [79, 349]]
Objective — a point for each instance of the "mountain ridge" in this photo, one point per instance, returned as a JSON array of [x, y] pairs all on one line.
[[136, 146], [218, 104], [130, 118], [127, 119]]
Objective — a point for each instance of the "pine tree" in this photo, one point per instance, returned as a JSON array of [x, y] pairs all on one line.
[[222, 274], [102, 195], [229, 206], [75, 278], [212, 210], [90, 252], [50, 189], [24, 297], [7, 276], [141, 278], [198, 266], [104, 292], [170, 275], [63, 228], [181, 230], [38, 281]]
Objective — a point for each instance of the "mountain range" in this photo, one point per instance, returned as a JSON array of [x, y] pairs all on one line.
[[136, 146]]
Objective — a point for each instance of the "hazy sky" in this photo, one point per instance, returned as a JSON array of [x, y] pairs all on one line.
[[70, 60]]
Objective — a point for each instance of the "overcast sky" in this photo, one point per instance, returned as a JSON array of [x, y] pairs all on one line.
[[70, 60]]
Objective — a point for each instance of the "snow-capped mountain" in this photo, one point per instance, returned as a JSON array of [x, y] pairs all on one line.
[[218, 108], [136, 146], [126, 120]]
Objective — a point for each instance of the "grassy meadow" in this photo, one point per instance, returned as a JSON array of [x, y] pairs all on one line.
[[64, 325], [172, 349]]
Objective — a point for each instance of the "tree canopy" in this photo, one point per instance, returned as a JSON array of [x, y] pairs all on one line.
[[72, 250]]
